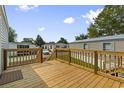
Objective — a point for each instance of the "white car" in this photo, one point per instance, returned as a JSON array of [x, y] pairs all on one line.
[[45, 52]]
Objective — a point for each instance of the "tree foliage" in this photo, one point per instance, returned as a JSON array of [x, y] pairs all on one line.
[[62, 40], [81, 37], [109, 22], [12, 35], [92, 32], [39, 41]]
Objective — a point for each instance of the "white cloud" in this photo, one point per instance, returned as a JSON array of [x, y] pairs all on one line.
[[41, 28], [89, 17], [25, 8], [69, 20]]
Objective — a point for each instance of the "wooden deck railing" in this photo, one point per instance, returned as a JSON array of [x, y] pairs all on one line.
[[106, 63], [16, 57]]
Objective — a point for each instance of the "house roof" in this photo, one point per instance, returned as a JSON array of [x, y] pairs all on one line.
[[115, 37], [21, 43]]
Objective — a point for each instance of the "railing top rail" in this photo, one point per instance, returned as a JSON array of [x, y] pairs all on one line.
[[98, 51], [22, 49]]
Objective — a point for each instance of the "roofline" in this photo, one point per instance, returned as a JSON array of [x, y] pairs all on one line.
[[109, 39], [21, 43]]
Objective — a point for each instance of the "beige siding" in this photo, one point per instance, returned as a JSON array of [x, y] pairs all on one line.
[[95, 46], [119, 46], [76, 45]]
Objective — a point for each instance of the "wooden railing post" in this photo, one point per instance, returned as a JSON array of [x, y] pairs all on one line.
[[56, 53], [69, 56], [95, 62], [5, 59], [41, 57]]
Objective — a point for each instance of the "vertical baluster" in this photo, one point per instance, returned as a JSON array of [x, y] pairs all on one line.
[[23, 57], [118, 64], [28, 56], [81, 58], [91, 60], [10, 63], [13, 59], [16, 57], [85, 59], [115, 70], [121, 68], [20, 54], [109, 64], [105, 63], [34, 56], [101, 67], [88, 60], [78, 57], [75, 56], [31, 56], [26, 61]]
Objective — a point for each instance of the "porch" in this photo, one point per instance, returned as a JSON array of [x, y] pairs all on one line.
[[56, 74]]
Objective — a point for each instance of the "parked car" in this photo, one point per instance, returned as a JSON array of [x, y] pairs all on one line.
[[46, 52]]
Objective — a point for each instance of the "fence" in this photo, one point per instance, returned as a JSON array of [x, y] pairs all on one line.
[[17, 57], [106, 63]]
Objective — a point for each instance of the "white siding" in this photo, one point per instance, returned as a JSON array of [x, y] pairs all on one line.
[[3, 39], [12, 46], [33, 46]]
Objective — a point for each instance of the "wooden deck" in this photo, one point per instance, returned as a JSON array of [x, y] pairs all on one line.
[[59, 75]]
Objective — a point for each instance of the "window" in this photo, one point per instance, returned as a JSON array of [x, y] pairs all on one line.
[[22, 46], [85, 46], [57, 46], [107, 46], [45, 47]]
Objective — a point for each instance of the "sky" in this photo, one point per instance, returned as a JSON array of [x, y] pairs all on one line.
[[51, 22]]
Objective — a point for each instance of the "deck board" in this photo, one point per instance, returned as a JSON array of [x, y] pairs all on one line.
[[95, 82], [56, 74]]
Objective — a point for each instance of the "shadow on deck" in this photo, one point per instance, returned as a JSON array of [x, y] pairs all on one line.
[[59, 75]]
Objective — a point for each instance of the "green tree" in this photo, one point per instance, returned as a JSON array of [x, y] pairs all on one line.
[[81, 37], [92, 32], [109, 22], [12, 35], [39, 41], [63, 40]]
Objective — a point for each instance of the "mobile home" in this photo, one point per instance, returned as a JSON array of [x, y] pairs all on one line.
[[109, 43], [15, 45], [4, 28], [51, 46]]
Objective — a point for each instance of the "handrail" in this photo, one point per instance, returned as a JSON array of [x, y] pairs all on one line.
[[21, 56], [107, 63]]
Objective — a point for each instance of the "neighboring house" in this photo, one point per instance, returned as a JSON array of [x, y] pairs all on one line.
[[28, 40], [61, 45], [51, 46], [109, 43], [15, 45], [4, 29]]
